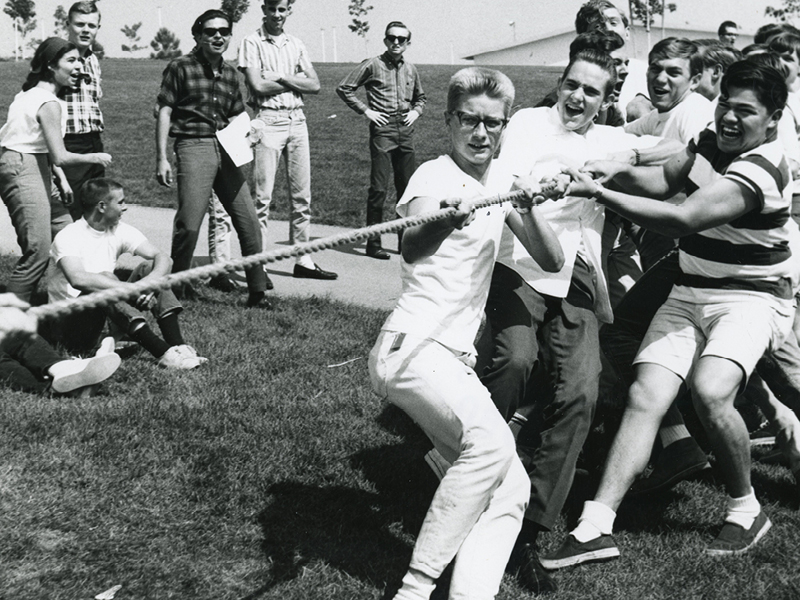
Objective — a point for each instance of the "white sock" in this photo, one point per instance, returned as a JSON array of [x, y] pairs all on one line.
[[743, 511], [305, 261], [672, 434], [516, 423], [415, 588], [596, 519]]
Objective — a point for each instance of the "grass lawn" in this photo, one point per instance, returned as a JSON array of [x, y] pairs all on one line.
[[273, 472]]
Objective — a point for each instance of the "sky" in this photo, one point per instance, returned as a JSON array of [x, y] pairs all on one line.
[[443, 31]]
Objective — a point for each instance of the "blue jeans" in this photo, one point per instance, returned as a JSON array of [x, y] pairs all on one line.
[[285, 135], [203, 166], [25, 183], [391, 147], [563, 331]]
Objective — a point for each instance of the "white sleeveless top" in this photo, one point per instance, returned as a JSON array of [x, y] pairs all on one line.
[[22, 131]]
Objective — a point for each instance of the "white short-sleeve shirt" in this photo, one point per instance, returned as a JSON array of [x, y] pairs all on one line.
[[22, 131]]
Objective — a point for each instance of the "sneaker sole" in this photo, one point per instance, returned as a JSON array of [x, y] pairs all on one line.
[[762, 441], [98, 369], [759, 535], [603, 555]]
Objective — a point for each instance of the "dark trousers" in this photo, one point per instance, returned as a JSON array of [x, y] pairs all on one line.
[[391, 147], [202, 166], [24, 364], [77, 175], [527, 326]]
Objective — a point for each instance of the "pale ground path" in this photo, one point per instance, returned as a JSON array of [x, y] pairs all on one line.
[[362, 281]]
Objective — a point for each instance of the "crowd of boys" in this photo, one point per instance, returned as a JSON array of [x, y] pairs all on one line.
[[683, 167]]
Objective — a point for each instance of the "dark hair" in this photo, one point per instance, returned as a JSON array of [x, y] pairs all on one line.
[[754, 49], [84, 7], [714, 52], [769, 59], [673, 47], [396, 24], [47, 54], [214, 13], [767, 84], [597, 39], [595, 57], [784, 43], [475, 81], [724, 25], [94, 191], [268, 2], [766, 32], [590, 16]]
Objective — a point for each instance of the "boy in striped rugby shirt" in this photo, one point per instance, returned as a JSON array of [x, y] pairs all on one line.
[[732, 302]]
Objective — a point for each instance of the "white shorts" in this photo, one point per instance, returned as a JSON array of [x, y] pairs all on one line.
[[740, 330]]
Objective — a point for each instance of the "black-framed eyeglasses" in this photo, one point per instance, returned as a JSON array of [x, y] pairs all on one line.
[[400, 39], [212, 31], [470, 121]]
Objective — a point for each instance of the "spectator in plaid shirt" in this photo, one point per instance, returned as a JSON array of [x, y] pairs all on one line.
[[199, 96], [84, 119]]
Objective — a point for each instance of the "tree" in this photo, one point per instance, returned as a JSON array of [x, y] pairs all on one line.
[[165, 45], [235, 8], [360, 25], [60, 17], [646, 11], [22, 13], [790, 9], [132, 33]]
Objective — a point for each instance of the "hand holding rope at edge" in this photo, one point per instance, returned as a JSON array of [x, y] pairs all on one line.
[[130, 290]]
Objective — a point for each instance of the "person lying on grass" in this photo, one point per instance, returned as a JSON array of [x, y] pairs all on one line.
[[423, 359], [732, 301]]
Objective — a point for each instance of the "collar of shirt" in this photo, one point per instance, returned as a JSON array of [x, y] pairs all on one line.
[[391, 62], [198, 55], [278, 40]]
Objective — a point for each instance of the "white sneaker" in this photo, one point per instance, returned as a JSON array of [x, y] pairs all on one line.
[[188, 351], [107, 346], [176, 359], [69, 375]]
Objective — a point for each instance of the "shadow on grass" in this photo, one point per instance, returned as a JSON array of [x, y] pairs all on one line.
[[366, 534]]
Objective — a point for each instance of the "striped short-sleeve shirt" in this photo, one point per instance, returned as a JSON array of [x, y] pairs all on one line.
[[751, 252], [283, 54]]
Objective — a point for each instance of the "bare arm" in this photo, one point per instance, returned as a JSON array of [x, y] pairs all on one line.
[[270, 83], [655, 155], [163, 166], [424, 240], [711, 206], [162, 263], [82, 280], [49, 117], [533, 230]]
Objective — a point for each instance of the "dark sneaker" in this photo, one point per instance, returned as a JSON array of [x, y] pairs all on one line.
[[222, 283], [764, 435], [678, 461], [530, 572], [734, 539], [572, 552]]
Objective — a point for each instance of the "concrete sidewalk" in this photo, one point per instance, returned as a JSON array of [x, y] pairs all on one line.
[[362, 281]]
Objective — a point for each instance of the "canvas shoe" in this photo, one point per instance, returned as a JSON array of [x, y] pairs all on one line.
[[734, 539], [764, 435], [107, 346], [190, 352], [573, 552], [69, 375], [529, 570], [678, 461], [175, 359]]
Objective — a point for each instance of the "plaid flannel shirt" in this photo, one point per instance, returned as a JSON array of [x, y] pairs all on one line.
[[83, 102], [203, 101]]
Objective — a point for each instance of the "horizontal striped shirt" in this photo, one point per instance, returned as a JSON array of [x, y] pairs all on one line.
[[203, 101], [751, 252], [282, 54], [83, 101], [391, 86]]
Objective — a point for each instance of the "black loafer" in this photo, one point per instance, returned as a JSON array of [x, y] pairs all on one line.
[[378, 253], [302, 272]]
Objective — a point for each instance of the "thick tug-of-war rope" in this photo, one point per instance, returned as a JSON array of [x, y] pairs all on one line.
[[130, 290]]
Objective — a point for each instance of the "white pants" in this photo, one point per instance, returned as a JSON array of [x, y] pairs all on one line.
[[477, 511]]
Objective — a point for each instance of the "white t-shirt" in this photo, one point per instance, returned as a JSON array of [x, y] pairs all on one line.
[[444, 295], [22, 131], [537, 143], [99, 251], [683, 122]]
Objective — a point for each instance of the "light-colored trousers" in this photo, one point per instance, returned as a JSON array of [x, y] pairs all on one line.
[[476, 513]]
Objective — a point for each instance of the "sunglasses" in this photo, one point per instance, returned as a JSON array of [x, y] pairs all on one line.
[[471, 122], [212, 31], [400, 39]]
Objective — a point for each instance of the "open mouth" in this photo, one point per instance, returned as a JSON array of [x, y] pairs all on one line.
[[573, 110], [478, 147], [729, 133], [217, 45]]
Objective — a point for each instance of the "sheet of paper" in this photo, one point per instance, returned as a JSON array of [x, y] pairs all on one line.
[[234, 140]]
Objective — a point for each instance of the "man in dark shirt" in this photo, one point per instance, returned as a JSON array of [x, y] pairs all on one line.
[[199, 96], [394, 101]]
